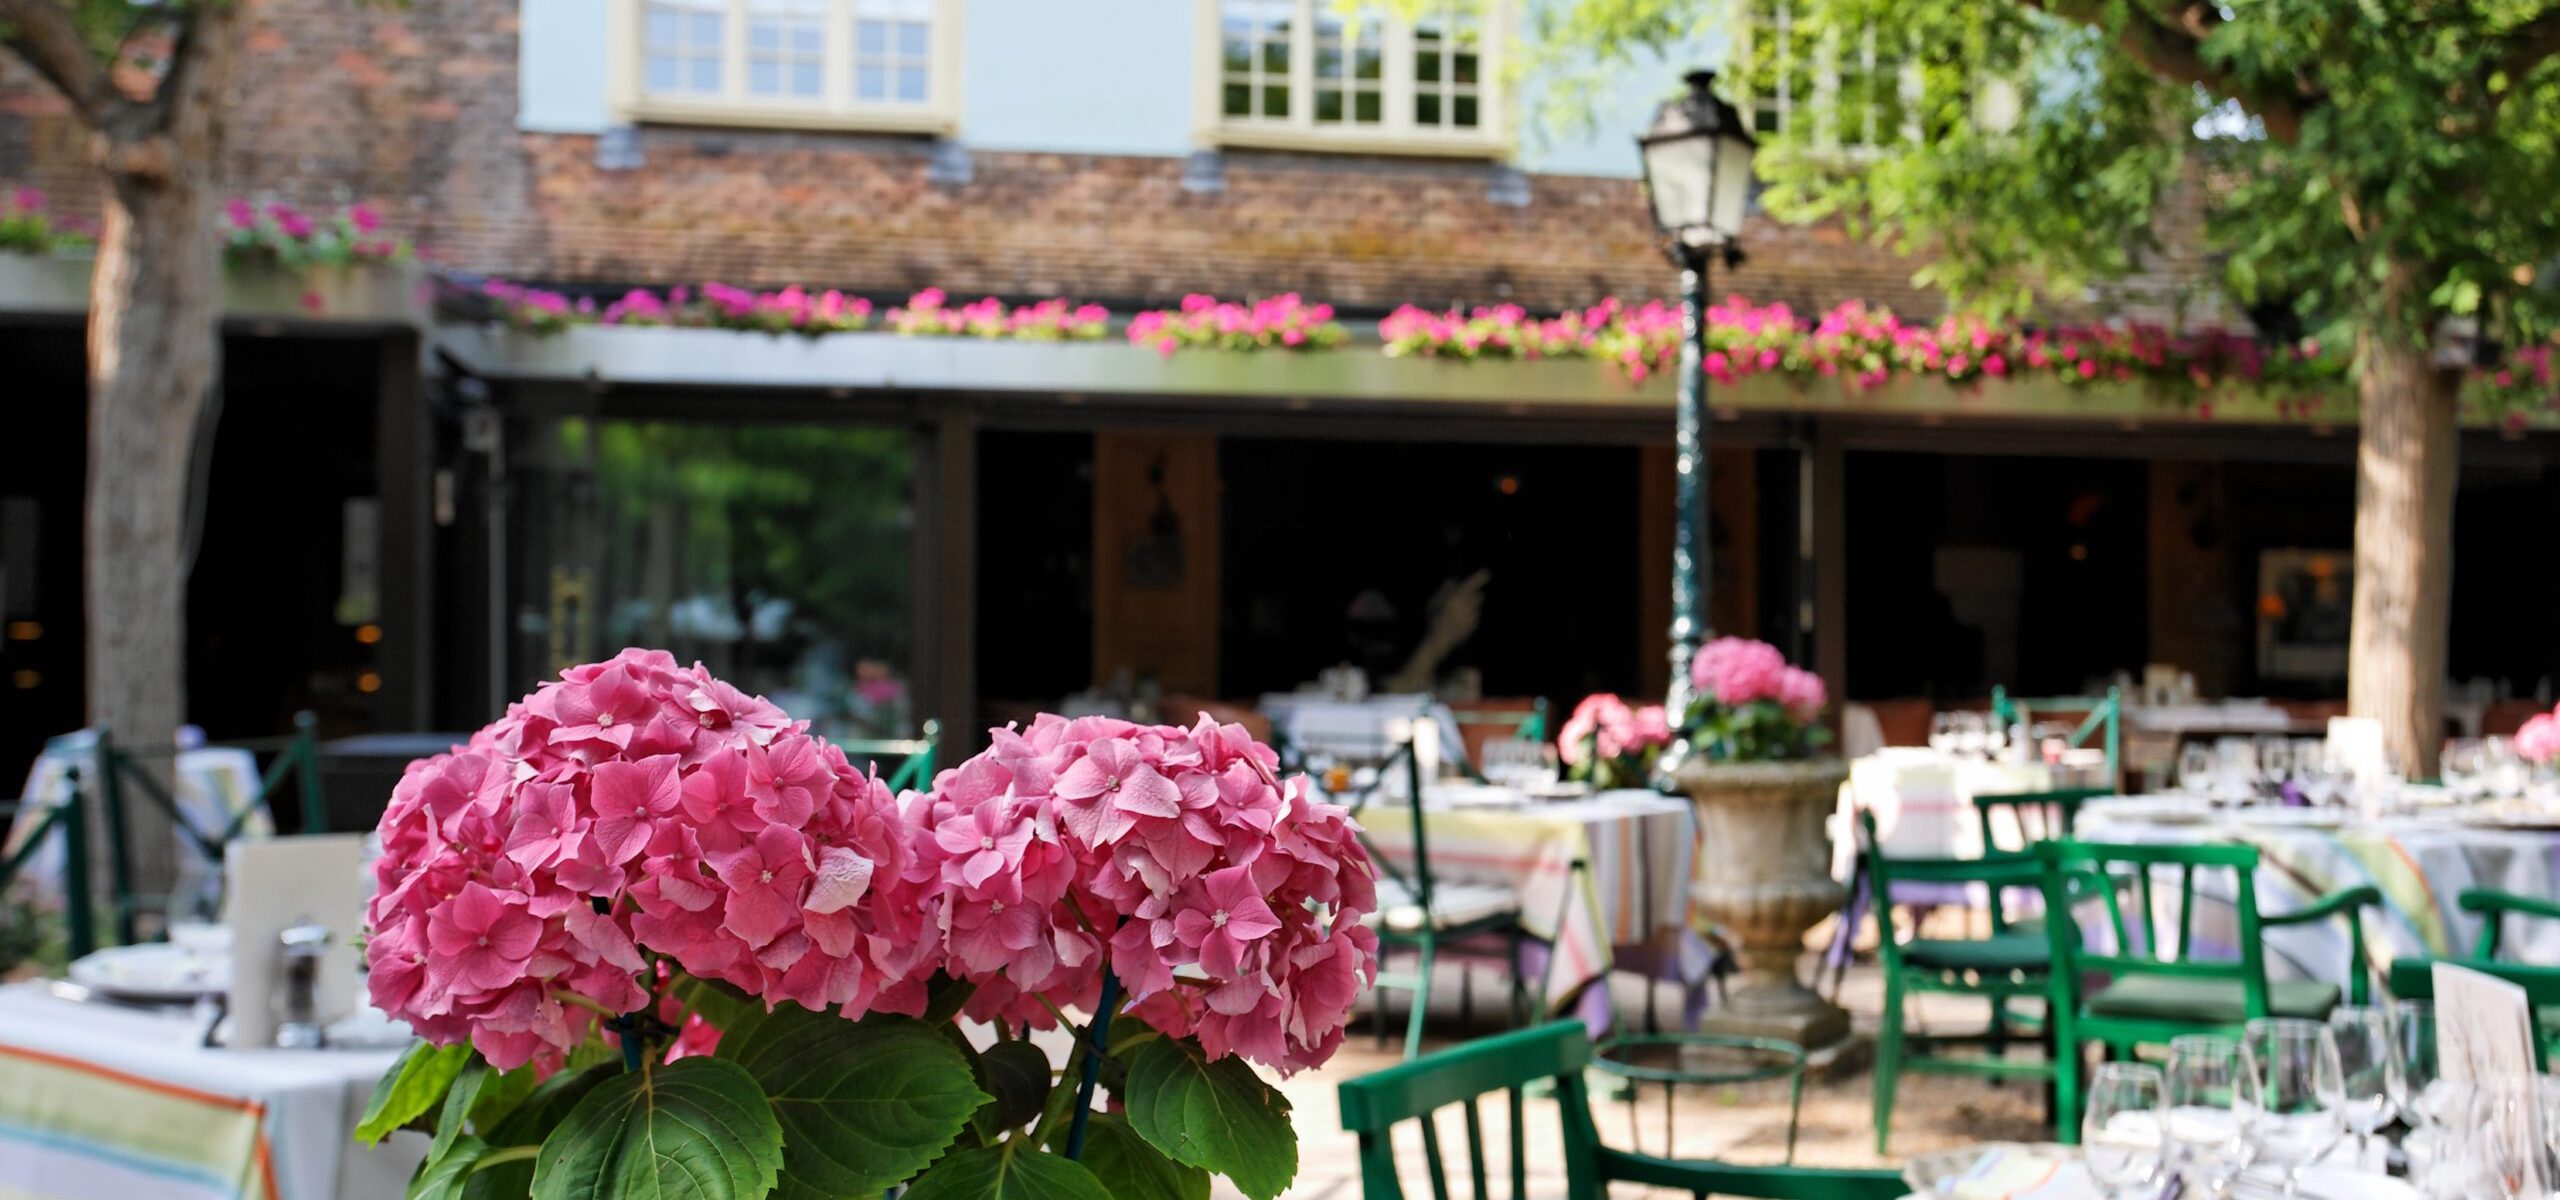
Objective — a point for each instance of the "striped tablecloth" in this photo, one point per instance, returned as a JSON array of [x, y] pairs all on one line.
[[1638, 847], [103, 1103], [2420, 864]]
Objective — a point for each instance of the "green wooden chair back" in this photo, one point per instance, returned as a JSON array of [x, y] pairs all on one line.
[[1508, 1064], [2415, 979], [2117, 869], [2039, 816], [1998, 873], [911, 760], [2493, 908], [2103, 724]]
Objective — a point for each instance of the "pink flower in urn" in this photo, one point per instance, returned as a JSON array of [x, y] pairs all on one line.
[[1599, 727], [1801, 693], [1737, 671], [2539, 740]]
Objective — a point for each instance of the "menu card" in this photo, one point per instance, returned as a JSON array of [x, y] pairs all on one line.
[[2484, 1038], [275, 884]]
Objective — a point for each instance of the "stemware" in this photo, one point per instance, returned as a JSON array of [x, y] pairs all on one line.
[[2369, 1067], [2121, 1141], [1942, 732], [2503, 773], [2195, 768], [2207, 1087], [2294, 1116], [2275, 762], [2460, 767]]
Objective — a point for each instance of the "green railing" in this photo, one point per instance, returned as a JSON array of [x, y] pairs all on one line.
[[2105, 717], [100, 774]]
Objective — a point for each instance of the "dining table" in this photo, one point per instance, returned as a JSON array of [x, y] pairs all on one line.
[[102, 1100], [2420, 862], [1630, 896]]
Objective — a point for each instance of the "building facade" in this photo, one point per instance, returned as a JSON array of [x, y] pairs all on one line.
[[879, 539]]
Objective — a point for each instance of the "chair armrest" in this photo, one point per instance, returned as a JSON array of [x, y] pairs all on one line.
[[2343, 900], [2494, 903], [2001, 870]]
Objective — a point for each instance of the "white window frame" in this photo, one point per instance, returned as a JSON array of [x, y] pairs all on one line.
[[1397, 133], [835, 108], [1826, 85]]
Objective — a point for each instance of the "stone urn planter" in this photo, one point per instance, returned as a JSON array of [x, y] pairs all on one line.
[[1765, 877]]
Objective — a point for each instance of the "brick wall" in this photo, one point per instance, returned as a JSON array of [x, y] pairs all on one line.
[[413, 110]]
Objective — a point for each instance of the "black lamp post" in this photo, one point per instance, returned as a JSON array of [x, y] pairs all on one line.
[[1697, 176]]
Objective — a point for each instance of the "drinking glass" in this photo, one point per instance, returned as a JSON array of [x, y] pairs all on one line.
[[2508, 1152], [2195, 767], [1971, 729], [2369, 1067], [2459, 766], [2503, 773], [2295, 1115], [2208, 1085], [1942, 732], [2275, 761], [2120, 1130]]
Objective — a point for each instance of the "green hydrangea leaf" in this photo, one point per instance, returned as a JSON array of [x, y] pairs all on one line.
[[1218, 1116], [994, 1174], [698, 1130], [1131, 1168], [413, 1085], [862, 1104]]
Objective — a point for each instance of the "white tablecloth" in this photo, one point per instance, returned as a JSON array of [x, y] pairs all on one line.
[[106, 1103], [1923, 801], [213, 783]]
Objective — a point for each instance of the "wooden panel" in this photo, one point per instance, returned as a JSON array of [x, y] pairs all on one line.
[[1155, 558], [2193, 622]]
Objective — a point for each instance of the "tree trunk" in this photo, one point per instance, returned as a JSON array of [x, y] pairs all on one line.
[[2405, 468], [155, 304]]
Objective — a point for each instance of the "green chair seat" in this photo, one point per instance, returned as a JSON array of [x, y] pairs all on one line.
[[2208, 1001], [1998, 953]]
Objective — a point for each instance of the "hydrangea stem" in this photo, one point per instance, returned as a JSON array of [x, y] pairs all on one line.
[[1098, 1036]]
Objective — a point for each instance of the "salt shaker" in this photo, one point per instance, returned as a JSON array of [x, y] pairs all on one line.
[[297, 1000]]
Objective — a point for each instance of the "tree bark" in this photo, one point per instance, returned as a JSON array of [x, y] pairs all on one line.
[[155, 305], [2406, 459]]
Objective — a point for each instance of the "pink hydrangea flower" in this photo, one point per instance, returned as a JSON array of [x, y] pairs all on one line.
[[2539, 740]]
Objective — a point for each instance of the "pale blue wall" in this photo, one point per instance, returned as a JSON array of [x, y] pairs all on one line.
[[1059, 77], [1079, 77], [561, 66]]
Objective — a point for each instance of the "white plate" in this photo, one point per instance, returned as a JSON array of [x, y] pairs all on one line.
[[154, 971]]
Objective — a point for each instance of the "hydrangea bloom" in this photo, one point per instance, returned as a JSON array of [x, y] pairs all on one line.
[[1227, 901], [1736, 671], [635, 805], [2539, 740]]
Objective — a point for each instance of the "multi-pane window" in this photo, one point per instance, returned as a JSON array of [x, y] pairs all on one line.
[[852, 62], [1853, 88], [1310, 71]]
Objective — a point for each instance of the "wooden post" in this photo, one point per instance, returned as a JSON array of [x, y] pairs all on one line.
[[404, 529], [947, 596], [1828, 496]]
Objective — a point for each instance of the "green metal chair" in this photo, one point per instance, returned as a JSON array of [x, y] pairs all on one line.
[[2494, 907], [1418, 912], [2149, 999], [1509, 1063], [2105, 717], [2009, 964], [2039, 816], [913, 756], [2415, 979]]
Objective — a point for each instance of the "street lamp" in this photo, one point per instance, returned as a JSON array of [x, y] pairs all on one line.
[[1697, 176]]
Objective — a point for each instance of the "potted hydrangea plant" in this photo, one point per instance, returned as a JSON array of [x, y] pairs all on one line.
[[1764, 789], [1609, 743], [660, 940]]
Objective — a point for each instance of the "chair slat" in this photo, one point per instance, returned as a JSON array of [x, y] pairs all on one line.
[[1475, 1150], [1431, 1156], [1519, 1147]]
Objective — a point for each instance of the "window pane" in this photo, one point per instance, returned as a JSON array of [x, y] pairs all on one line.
[[1275, 57], [1239, 57], [1426, 67], [1275, 101], [912, 38], [1426, 108], [665, 29], [808, 39], [662, 73], [911, 84], [1328, 61], [871, 83], [806, 79], [1366, 109], [1462, 110], [706, 75], [1239, 100], [764, 34], [1328, 106], [1464, 70], [1371, 63], [706, 31], [764, 77], [870, 37]]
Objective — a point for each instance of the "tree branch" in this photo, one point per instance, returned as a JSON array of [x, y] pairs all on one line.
[[2171, 46], [2530, 45], [41, 33]]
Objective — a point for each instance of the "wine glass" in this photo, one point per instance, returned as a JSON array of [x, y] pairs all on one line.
[[2459, 766], [2369, 1068], [2425, 1099], [2502, 771], [2509, 1154], [2207, 1086], [2275, 761], [1942, 732], [2195, 767], [1971, 729], [2120, 1130], [2296, 1114]]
